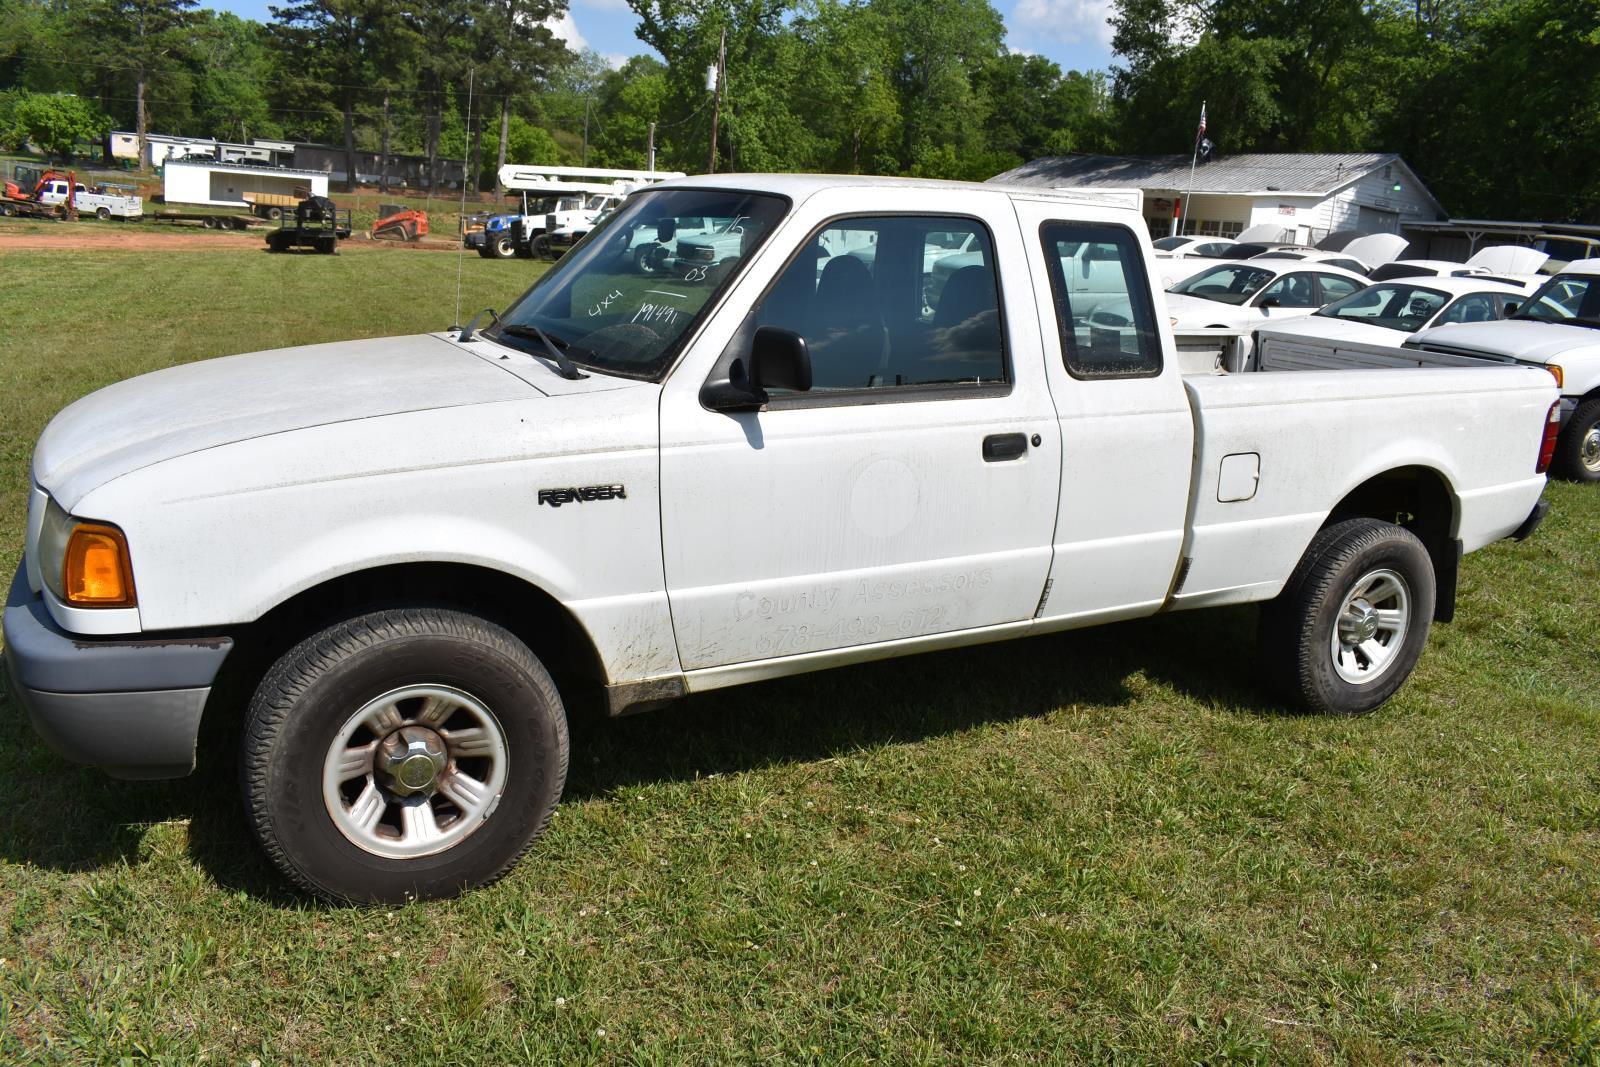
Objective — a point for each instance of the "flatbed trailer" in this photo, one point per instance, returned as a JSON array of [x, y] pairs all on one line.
[[210, 220], [13, 207]]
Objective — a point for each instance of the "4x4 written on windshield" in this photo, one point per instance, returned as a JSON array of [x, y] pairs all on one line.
[[625, 298]]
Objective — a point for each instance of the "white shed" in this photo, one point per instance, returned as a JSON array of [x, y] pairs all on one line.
[[224, 184], [1308, 195]]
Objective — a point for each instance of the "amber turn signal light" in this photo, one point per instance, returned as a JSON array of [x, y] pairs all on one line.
[[97, 572]]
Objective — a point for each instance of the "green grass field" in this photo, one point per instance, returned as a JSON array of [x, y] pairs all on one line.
[[1094, 846]]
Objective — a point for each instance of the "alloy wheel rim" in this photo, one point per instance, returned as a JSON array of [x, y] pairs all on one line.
[[1371, 626], [415, 771], [1589, 452]]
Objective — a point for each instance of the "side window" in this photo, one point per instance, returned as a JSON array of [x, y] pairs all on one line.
[[1337, 287], [893, 302], [1102, 298], [1290, 291], [1474, 307]]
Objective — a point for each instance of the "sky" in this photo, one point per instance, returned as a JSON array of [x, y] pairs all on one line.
[[1071, 32]]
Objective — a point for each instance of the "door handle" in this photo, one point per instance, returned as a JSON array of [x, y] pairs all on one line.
[[1003, 446]]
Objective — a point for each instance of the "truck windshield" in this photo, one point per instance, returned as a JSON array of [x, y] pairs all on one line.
[[626, 297], [1569, 298], [1232, 283], [1394, 307]]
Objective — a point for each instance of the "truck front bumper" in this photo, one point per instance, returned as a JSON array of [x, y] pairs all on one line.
[[129, 707]]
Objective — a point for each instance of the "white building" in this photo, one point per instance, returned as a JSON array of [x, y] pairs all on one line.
[[224, 184], [160, 147], [1308, 195]]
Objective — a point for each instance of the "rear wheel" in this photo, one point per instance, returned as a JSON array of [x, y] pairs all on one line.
[[1350, 625], [404, 754], [102, 213], [1578, 449], [274, 213]]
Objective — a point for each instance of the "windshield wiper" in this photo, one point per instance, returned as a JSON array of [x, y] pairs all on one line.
[[568, 369]]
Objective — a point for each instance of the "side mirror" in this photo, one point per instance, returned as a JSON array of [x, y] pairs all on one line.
[[1511, 307], [666, 230], [1269, 303], [779, 359]]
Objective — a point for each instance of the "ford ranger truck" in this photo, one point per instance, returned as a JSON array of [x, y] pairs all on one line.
[[414, 552]]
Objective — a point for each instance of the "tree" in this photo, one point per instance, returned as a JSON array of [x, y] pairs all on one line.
[[340, 50], [55, 122], [147, 38], [520, 51], [232, 70]]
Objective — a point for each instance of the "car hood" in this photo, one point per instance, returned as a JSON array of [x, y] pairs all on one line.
[[1533, 342], [173, 412]]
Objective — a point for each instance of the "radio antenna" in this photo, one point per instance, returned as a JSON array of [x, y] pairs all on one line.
[[461, 217]]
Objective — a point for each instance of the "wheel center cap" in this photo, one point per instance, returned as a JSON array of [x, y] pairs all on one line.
[[411, 759], [1361, 624]]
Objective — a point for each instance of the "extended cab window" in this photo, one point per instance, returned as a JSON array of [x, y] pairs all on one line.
[[1103, 306], [893, 303]]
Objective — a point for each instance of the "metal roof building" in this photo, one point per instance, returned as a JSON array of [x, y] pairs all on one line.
[[1308, 195]]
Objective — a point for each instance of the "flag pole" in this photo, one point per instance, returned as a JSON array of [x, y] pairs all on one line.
[[1183, 225]]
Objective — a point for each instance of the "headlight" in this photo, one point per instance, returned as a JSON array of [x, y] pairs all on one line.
[[85, 564]]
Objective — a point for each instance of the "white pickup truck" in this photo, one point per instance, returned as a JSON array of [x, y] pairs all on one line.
[[416, 550], [1557, 329], [88, 202]]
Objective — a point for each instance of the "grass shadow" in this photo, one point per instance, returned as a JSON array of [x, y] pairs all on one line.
[[60, 816]]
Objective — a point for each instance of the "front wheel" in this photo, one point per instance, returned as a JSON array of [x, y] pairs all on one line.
[[502, 247], [404, 754], [1578, 447], [1350, 625]]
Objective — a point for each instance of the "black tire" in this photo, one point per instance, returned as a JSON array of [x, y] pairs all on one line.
[[1297, 630], [274, 213], [1578, 447], [484, 252], [501, 247], [310, 694], [209, 222], [540, 247], [102, 213], [650, 259]]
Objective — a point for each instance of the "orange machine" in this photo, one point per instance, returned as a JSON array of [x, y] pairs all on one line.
[[396, 223]]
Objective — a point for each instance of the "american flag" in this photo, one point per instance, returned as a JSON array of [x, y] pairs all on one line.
[[1199, 134]]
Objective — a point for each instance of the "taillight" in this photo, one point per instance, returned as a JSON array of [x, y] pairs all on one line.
[[1552, 430]]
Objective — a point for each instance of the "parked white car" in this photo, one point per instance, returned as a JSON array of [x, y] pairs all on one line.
[[1557, 328], [1243, 295], [419, 550], [1384, 311]]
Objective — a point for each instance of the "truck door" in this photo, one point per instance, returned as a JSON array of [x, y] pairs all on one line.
[[1126, 428], [912, 490]]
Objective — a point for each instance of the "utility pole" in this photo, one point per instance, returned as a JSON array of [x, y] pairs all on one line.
[[586, 131], [716, 104], [650, 149]]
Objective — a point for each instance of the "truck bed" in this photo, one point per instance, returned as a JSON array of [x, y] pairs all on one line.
[[1275, 352], [1474, 427]]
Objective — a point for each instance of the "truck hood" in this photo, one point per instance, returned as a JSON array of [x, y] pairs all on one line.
[[1532, 342], [173, 412]]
